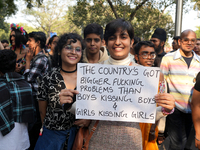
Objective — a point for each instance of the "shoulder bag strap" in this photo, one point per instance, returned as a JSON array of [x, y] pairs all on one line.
[[85, 146]]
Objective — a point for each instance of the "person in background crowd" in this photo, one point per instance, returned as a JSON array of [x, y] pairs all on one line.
[[5, 44], [158, 39], [197, 47], [145, 55], [18, 39], [16, 103], [180, 69], [58, 125], [52, 44], [115, 134], [195, 106], [175, 45], [36, 66], [132, 51], [94, 51]]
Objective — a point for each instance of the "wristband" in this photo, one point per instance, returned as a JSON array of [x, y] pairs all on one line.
[[166, 113], [196, 138]]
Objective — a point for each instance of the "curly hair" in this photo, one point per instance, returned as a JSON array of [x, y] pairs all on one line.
[[56, 61], [7, 61], [20, 39]]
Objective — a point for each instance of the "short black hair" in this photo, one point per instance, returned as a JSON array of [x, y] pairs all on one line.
[[143, 43], [176, 38], [20, 39], [116, 24], [38, 36], [198, 39], [51, 39], [57, 62], [7, 61], [4, 41], [93, 28], [136, 40]]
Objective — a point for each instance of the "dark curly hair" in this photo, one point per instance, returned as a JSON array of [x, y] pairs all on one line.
[[19, 38], [7, 61], [57, 62]]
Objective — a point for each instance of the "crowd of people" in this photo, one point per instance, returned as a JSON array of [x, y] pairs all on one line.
[[38, 80]]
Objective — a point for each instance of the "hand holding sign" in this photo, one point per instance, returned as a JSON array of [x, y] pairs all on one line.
[[66, 96], [165, 100]]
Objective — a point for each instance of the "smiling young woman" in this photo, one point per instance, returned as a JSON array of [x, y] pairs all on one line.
[[58, 125]]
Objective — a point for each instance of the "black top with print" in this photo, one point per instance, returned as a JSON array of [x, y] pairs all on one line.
[[49, 90]]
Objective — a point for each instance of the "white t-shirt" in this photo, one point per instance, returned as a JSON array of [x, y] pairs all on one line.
[[17, 139]]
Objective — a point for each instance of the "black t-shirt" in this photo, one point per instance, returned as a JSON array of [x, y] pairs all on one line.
[[188, 60], [197, 84]]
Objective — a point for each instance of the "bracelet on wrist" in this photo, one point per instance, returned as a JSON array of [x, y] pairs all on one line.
[[165, 112], [196, 138]]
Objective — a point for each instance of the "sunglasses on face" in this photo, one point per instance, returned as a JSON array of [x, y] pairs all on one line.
[[70, 48]]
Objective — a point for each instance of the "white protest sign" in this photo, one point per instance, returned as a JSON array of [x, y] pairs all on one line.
[[116, 93]]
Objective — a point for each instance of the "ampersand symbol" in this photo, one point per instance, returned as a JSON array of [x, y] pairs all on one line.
[[115, 106]]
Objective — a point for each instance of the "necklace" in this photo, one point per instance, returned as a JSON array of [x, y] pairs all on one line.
[[69, 71]]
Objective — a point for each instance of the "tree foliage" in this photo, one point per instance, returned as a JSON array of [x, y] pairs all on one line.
[[198, 32], [50, 17], [196, 4], [145, 15], [4, 33]]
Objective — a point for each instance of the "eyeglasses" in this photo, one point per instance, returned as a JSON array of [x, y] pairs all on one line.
[[145, 55], [186, 41], [69, 48], [12, 35]]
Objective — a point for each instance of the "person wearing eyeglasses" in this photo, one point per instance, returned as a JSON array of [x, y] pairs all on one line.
[[197, 47], [145, 55], [94, 52], [59, 128], [180, 69]]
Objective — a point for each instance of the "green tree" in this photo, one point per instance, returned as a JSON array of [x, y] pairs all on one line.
[[50, 17], [8, 8], [145, 15], [4, 33], [198, 32]]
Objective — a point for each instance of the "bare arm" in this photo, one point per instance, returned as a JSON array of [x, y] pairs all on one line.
[[195, 106], [42, 109]]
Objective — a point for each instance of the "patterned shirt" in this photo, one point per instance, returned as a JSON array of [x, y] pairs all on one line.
[[49, 89], [38, 68], [180, 78], [16, 103]]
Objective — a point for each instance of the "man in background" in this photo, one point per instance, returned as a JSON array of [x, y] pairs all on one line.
[[158, 39], [175, 45], [197, 47]]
